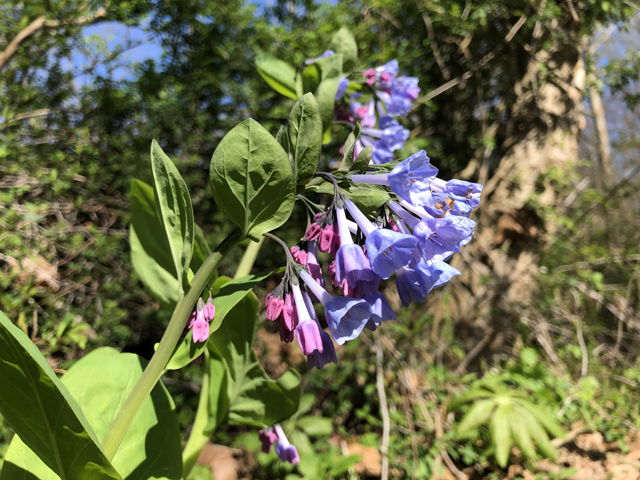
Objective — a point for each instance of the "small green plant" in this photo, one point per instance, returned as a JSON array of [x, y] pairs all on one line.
[[509, 418]]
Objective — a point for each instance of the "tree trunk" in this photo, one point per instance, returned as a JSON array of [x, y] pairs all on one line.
[[501, 263]]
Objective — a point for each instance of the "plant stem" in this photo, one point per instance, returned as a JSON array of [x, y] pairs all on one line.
[[249, 258], [198, 438], [155, 369]]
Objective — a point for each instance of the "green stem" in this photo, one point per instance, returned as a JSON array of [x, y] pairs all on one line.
[[155, 369], [198, 439], [249, 258]]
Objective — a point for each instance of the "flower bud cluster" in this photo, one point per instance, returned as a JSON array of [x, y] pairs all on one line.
[[200, 319]]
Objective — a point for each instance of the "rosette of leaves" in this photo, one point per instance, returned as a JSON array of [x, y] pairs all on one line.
[[507, 417]]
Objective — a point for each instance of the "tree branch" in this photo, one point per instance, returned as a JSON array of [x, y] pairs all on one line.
[[38, 24]]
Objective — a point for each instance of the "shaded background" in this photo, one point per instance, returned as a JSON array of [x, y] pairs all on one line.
[[537, 100]]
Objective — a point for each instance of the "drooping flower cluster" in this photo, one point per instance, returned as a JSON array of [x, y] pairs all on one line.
[[411, 238], [200, 319], [389, 95], [284, 449]]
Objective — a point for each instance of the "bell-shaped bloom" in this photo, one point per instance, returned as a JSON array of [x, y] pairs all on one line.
[[289, 314], [362, 288], [435, 274], [381, 311], [386, 139], [286, 335], [387, 250], [439, 238], [342, 88], [346, 316], [308, 329], [411, 179], [327, 53], [366, 113], [284, 449], [406, 87], [351, 262], [328, 355], [409, 286], [267, 437], [209, 309], [455, 197]]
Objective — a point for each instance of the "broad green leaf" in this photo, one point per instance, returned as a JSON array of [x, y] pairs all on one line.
[[227, 293], [251, 180], [101, 382], [305, 136], [344, 42], [478, 415], [361, 164], [500, 434], [150, 252], [315, 426], [330, 69], [42, 412], [201, 250], [250, 396], [278, 74], [368, 198], [173, 204]]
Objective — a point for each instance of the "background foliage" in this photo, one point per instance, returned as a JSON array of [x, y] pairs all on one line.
[[79, 110]]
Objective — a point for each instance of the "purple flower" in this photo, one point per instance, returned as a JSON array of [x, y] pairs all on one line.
[[411, 179], [434, 275], [351, 262], [310, 61], [439, 238], [308, 329], [382, 75], [380, 310], [366, 113], [409, 286], [312, 262], [319, 359], [387, 250], [267, 437], [346, 316], [342, 88], [389, 137], [286, 451], [455, 197], [289, 314]]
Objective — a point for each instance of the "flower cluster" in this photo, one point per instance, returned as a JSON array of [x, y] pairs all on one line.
[[411, 238], [200, 319], [389, 96], [284, 449]]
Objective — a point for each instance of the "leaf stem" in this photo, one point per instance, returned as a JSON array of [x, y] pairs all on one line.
[[156, 367], [249, 258]]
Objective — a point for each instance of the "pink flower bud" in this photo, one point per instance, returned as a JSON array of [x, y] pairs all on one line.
[[209, 309], [289, 313], [273, 306], [313, 232], [300, 256], [326, 238]]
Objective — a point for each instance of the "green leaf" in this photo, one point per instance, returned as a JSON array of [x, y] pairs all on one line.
[[322, 79], [173, 204], [44, 415], [363, 160], [278, 74], [201, 250], [344, 42], [349, 149], [250, 397], [368, 198], [520, 434], [305, 137], [500, 434], [478, 415], [251, 180], [227, 293], [535, 430], [283, 139], [315, 426], [100, 382], [150, 252], [547, 421]]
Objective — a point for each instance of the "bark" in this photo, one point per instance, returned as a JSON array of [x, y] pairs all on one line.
[[604, 148], [501, 263]]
